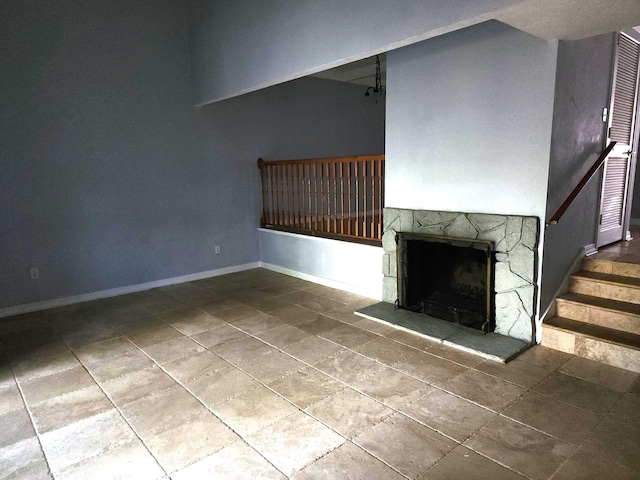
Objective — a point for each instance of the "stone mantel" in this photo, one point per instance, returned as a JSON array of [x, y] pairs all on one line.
[[514, 239]]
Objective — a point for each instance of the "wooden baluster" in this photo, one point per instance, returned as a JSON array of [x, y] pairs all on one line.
[[315, 196], [373, 199], [341, 166], [380, 196], [364, 200], [356, 173], [335, 197]]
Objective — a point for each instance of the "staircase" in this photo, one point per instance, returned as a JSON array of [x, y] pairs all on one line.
[[599, 318]]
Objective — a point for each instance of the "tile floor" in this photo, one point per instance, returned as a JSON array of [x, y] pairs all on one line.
[[259, 375]]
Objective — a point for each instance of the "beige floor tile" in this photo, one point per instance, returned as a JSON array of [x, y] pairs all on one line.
[[516, 371], [219, 336], [448, 414], [154, 335], [191, 321], [117, 366], [634, 388], [38, 365], [392, 388], [590, 396], [10, 399], [271, 366], [405, 445], [161, 411], [127, 388], [373, 326], [617, 442], [348, 336], [6, 374], [412, 340], [485, 390], [237, 461], [104, 351], [193, 366], [23, 460], [242, 350], [92, 333], [253, 410], [306, 387], [197, 437], [344, 315], [220, 386], [130, 461], [293, 314], [65, 409], [520, 448], [455, 355], [463, 463], [173, 349], [263, 302], [544, 357], [584, 465], [386, 351], [283, 335], [626, 410], [313, 350], [318, 325], [350, 367], [556, 418], [349, 413], [44, 388], [431, 369], [15, 427], [298, 433], [612, 377], [214, 306], [236, 313], [347, 462], [258, 323], [319, 304], [84, 439]]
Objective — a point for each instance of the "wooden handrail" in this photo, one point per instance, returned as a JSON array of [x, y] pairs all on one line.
[[576, 191], [336, 197]]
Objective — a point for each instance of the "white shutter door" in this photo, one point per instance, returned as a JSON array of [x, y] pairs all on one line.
[[621, 130]]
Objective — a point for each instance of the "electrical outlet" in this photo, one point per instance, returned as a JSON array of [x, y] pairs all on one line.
[[34, 274], [217, 250]]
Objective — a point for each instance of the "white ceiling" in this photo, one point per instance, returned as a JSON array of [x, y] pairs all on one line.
[[549, 19]]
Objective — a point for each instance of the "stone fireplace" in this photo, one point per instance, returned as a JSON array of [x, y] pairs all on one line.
[[510, 240]]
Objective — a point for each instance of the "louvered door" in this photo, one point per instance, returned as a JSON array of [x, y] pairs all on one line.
[[622, 121]]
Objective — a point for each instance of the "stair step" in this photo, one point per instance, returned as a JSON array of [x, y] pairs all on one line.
[[613, 268], [623, 316], [605, 345], [603, 285]]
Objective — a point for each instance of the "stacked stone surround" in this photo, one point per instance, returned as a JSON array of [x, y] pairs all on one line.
[[514, 239]]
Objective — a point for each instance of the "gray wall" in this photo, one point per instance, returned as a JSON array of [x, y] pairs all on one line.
[[469, 122], [582, 90], [269, 42], [109, 177]]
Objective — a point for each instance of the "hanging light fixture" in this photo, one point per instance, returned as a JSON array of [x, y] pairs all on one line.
[[376, 94]]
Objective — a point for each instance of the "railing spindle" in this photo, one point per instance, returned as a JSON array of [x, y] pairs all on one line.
[[340, 197]]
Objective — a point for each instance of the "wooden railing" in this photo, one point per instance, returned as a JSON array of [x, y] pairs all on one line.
[[587, 176], [338, 197]]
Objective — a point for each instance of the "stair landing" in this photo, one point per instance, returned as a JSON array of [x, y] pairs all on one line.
[[599, 318]]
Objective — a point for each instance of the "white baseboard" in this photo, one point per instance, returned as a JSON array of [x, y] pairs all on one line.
[[590, 249], [376, 294], [114, 292]]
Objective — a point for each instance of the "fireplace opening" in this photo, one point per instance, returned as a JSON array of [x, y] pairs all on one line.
[[446, 278]]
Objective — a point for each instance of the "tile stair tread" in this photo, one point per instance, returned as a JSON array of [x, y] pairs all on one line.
[[608, 278], [609, 335], [594, 262], [601, 303]]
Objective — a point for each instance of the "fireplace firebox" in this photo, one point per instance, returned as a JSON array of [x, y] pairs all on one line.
[[447, 278]]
